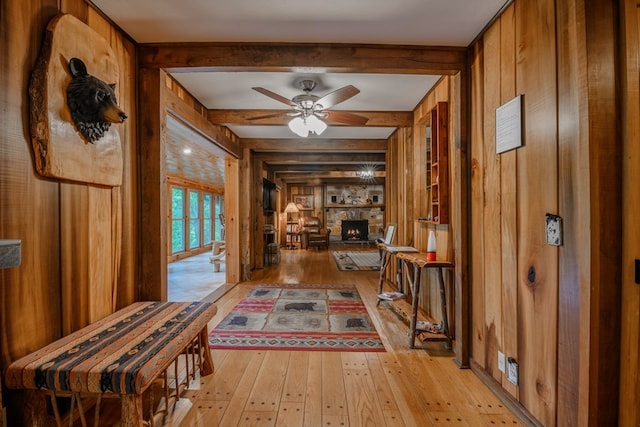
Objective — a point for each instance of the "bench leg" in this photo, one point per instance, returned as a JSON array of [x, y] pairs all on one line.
[[206, 365], [132, 411]]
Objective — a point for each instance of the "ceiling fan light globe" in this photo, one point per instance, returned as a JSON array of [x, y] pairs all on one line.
[[299, 127], [316, 125]]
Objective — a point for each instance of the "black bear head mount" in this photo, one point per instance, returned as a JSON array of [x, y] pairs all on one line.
[[92, 102]]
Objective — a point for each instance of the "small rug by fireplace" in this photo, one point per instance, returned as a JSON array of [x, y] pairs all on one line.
[[357, 260], [298, 317]]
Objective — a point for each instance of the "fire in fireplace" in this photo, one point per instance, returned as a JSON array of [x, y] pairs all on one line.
[[355, 230]]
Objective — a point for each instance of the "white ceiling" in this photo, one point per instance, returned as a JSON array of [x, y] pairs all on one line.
[[454, 23], [415, 22], [404, 22]]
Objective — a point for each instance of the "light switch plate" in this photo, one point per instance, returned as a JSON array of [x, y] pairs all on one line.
[[501, 362], [553, 226]]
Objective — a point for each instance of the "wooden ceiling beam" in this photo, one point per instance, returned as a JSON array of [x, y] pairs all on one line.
[[301, 168], [280, 117], [315, 144], [291, 57], [320, 158], [324, 177], [181, 110]]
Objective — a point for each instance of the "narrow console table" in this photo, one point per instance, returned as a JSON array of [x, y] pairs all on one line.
[[387, 252], [417, 262], [121, 356]]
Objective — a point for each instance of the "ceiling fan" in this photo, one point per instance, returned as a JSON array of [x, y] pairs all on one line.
[[309, 108]]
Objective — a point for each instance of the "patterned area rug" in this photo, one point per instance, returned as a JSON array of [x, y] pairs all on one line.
[[298, 317], [357, 260]]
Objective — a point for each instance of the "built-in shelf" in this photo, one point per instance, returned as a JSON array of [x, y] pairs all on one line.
[[438, 165]]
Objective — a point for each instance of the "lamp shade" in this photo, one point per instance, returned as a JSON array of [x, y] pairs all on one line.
[[299, 127], [291, 207], [316, 125]]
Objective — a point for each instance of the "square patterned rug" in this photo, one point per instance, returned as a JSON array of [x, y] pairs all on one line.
[[357, 260], [298, 317]]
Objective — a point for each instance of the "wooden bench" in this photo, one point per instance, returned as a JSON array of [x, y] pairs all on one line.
[[121, 356]]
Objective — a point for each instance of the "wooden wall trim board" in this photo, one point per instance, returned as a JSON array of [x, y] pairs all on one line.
[[574, 275], [245, 213], [232, 201], [460, 215], [605, 164], [153, 190], [258, 216], [630, 311]]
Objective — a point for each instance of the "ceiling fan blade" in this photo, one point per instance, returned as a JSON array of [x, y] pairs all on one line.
[[275, 96], [337, 96], [346, 118]]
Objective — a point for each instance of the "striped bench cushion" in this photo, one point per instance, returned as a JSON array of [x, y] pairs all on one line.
[[122, 353]]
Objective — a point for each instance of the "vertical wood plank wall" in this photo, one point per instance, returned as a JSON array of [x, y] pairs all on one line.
[[545, 305], [630, 331], [508, 205], [573, 142], [71, 273]]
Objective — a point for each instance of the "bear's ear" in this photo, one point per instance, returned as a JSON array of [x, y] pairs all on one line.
[[77, 67]]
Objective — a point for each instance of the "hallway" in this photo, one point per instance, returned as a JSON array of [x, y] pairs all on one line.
[[400, 387]]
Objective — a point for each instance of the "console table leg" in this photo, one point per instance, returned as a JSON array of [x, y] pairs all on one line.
[[386, 257], [443, 302], [415, 290]]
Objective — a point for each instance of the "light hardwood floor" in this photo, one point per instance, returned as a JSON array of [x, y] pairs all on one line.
[[194, 278], [400, 387]]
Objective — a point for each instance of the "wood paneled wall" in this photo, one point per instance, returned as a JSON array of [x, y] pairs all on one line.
[[544, 305], [77, 264], [630, 330]]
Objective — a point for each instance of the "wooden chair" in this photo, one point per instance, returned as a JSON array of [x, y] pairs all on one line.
[[312, 234], [217, 254]]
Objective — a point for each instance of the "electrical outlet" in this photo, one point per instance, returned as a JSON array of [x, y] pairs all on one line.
[[512, 373], [553, 225], [501, 362]]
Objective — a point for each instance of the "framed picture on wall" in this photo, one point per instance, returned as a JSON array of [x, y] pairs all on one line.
[[303, 201]]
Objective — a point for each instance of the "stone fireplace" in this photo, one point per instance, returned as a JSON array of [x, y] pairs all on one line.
[[355, 230]]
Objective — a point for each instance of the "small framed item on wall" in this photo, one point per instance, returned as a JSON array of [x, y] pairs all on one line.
[[304, 202]]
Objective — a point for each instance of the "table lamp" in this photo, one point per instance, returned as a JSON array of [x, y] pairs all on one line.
[[291, 208]]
